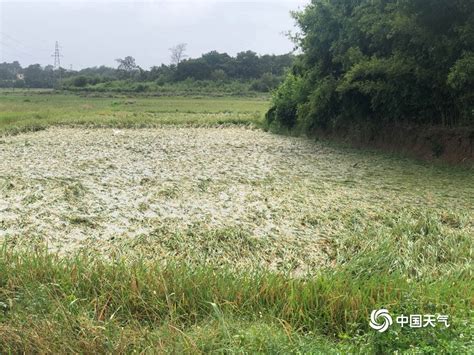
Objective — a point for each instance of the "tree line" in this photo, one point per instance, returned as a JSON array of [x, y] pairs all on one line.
[[369, 63], [266, 71]]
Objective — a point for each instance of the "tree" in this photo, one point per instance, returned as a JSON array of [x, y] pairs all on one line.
[[178, 53], [378, 62], [216, 60], [35, 76], [193, 68], [218, 75], [162, 74], [80, 81], [247, 65], [126, 66]]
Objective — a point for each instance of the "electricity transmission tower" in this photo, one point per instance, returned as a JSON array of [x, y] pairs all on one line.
[[57, 56], [57, 59]]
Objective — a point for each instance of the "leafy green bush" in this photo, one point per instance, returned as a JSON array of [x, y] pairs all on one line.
[[285, 102], [80, 81], [321, 108], [218, 75], [461, 79], [266, 83]]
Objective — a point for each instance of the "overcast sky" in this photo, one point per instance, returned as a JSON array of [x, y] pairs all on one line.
[[93, 33]]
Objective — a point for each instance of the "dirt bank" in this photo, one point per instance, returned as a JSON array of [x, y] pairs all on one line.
[[450, 145]]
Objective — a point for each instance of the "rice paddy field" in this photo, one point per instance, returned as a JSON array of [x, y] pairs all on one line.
[[25, 110], [180, 225]]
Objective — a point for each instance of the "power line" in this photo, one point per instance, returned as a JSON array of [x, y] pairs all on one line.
[[18, 51], [15, 47], [13, 39]]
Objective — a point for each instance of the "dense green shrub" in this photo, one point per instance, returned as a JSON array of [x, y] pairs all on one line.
[[266, 83], [379, 62], [158, 87], [461, 79], [80, 81], [285, 102]]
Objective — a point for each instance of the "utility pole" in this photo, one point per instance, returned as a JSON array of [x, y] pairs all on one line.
[[57, 59]]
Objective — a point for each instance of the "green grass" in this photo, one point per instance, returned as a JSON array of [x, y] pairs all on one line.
[[86, 304], [22, 111], [399, 236]]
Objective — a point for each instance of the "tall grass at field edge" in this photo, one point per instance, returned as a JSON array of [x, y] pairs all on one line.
[[54, 303]]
